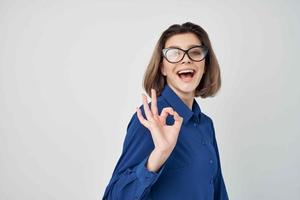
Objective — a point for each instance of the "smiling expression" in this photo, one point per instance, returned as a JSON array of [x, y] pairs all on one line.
[[184, 76]]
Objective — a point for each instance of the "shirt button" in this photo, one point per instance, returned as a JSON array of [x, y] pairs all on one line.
[[195, 124], [203, 142], [211, 161]]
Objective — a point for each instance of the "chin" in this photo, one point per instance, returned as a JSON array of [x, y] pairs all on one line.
[[187, 88], [183, 87]]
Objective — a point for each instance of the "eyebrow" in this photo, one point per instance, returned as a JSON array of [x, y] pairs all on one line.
[[192, 45]]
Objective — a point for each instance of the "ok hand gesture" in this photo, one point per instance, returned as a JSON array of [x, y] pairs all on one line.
[[164, 136]]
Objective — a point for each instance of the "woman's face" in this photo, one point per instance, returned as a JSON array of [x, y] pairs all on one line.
[[184, 84]]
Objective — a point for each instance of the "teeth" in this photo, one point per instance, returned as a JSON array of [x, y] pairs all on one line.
[[185, 71]]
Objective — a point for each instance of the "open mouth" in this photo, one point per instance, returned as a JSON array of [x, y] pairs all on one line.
[[186, 75]]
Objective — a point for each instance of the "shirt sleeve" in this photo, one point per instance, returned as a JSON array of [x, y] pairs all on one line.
[[131, 179], [220, 192]]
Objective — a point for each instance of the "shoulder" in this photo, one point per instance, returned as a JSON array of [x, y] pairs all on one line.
[[208, 125], [206, 119]]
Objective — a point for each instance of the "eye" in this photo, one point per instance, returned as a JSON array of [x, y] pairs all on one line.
[[173, 52], [196, 51]]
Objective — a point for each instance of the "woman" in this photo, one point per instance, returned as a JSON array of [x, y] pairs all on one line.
[[170, 149]]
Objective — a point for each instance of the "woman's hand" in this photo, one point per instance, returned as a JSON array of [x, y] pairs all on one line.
[[164, 136]]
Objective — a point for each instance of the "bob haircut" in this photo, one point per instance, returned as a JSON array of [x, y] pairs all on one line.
[[211, 80]]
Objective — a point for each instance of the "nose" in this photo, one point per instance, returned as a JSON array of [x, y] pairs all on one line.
[[186, 59]]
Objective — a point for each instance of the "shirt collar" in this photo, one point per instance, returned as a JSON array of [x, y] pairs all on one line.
[[179, 106]]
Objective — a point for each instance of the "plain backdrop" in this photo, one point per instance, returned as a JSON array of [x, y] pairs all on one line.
[[71, 77]]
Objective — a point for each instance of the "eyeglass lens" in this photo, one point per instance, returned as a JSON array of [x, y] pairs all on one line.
[[195, 53]]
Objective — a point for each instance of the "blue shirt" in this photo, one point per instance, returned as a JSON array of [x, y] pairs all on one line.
[[192, 171]]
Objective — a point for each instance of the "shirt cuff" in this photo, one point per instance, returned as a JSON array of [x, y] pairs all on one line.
[[145, 176]]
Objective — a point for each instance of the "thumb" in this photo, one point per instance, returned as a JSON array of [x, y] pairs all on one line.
[[178, 120]]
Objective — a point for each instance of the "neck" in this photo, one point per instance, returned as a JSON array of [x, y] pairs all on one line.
[[187, 98], [188, 101]]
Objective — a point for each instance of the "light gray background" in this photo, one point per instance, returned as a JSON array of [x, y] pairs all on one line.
[[66, 97]]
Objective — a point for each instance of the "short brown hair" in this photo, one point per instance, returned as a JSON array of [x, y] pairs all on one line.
[[211, 79]]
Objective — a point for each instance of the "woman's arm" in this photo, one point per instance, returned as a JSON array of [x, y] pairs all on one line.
[[131, 179], [149, 142]]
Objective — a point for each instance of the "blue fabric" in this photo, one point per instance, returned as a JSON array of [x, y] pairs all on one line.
[[192, 171]]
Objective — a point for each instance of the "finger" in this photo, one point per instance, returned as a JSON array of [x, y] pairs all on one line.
[[141, 118], [147, 125], [154, 102], [146, 108], [177, 120], [154, 134], [165, 112]]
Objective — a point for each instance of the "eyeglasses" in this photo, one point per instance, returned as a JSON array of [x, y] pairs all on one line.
[[195, 53]]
